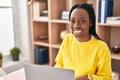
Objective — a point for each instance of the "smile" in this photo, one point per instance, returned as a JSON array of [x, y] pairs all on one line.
[[76, 31]]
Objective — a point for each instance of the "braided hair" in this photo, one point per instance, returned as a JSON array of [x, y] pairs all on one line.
[[90, 10]]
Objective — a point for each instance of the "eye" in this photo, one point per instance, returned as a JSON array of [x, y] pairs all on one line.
[[72, 21], [82, 21]]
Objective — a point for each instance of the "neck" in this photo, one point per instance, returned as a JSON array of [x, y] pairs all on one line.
[[84, 39]]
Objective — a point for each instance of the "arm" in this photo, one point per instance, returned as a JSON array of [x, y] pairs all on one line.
[[104, 71], [59, 57], [58, 60], [103, 68]]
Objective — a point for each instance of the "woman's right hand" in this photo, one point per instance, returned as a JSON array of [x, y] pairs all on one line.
[[82, 78]]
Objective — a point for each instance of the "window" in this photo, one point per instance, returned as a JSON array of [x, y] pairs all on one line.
[[6, 27]]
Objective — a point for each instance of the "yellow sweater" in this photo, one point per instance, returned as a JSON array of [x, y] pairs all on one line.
[[91, 57]]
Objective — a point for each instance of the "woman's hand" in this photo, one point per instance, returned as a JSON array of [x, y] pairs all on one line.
[[82, 78]]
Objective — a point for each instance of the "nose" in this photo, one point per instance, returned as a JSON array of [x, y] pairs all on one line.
[[76, 25]]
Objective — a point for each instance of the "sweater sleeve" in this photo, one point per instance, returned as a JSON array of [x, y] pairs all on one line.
[[104, 71], [59, 58]]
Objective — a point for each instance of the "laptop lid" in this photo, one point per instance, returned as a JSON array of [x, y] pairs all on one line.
[[42, 72]]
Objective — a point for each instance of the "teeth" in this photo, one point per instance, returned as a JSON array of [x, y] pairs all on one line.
[[77, 31]]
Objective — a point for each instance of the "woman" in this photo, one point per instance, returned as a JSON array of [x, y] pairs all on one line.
[[82, 50]]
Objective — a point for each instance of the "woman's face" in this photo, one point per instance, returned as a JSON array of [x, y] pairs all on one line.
[[80, 23]]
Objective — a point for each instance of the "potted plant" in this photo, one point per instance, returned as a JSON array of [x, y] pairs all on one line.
[[14, 52], [1, 56]]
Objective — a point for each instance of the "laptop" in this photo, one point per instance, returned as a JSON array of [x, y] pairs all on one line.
[[42, 72]]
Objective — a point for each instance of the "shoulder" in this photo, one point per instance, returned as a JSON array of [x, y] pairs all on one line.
[[102, 48], [69, 37], [100, 43], [103, 51]]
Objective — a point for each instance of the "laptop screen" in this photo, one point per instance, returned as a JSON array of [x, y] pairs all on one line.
[[42, 72]]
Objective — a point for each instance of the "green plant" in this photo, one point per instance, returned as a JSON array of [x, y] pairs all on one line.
[[1, 55], [15, 51]]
